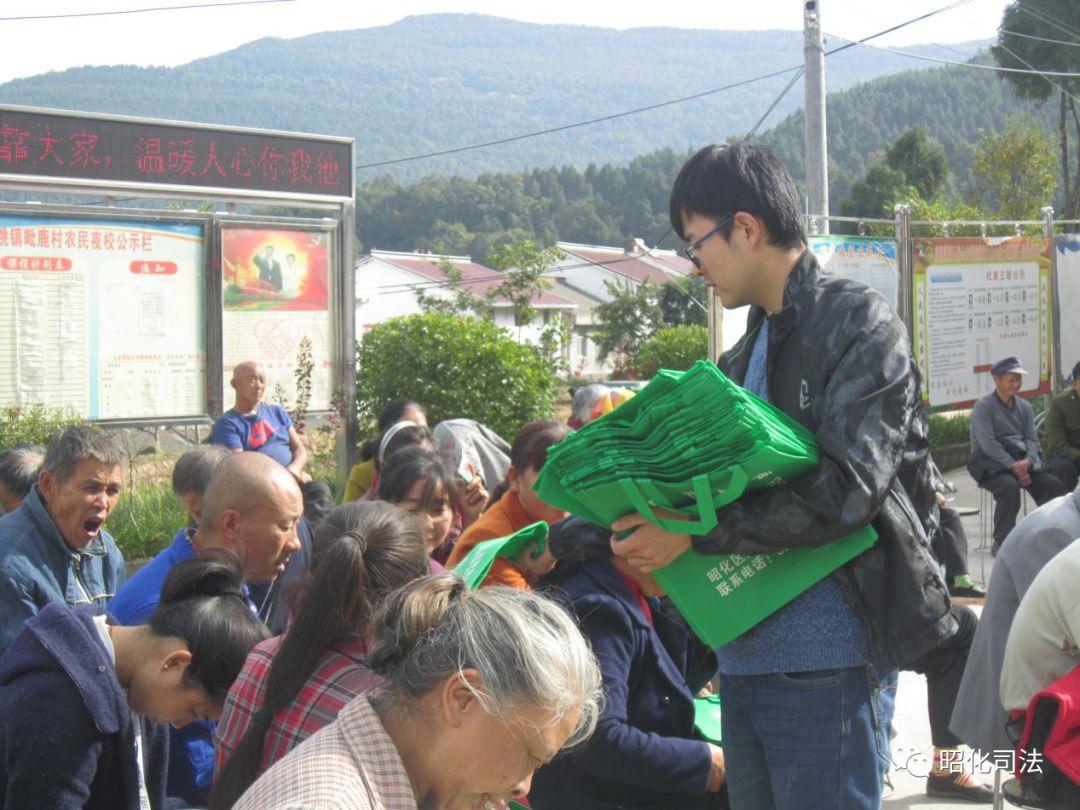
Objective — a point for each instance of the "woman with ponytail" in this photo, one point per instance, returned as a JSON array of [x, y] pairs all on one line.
[[81, 699], [293, 685], [482, 688]]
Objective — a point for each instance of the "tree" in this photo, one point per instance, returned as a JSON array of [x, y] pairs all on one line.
[[630, 318], [457, 300], [920, 160], [913, 163], [685, 302], [674, 347], [523, 266], [1022, 43], [877, 193], [456, 367], [1014, 171]]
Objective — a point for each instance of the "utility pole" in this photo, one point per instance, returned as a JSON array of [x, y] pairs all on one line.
[[817, 161]]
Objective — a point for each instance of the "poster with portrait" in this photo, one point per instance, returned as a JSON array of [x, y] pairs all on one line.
[[978, 300], [104, 317], [275, 293]]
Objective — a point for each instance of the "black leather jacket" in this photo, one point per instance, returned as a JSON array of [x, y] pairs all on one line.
[[840, 362]]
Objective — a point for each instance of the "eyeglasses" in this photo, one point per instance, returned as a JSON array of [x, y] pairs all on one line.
[[690, 251]]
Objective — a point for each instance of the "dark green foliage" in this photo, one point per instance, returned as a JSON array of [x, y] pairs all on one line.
[[685, 302], [674, 347], [456, 367], [631, 317], [875, 195], [33, 424], [145, 520], [949, 429], [920, 160], [1047, 20]]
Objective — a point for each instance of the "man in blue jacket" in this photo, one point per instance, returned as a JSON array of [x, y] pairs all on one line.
[[53, 548]]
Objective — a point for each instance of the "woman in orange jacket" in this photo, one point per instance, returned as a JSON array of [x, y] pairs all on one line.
[[514, 506]]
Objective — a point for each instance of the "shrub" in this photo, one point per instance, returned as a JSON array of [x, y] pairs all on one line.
[[675, 347], [951, 429], [34, 424], [145, 520], [455, 366]]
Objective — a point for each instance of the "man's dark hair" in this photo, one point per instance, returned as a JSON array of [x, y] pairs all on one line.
[[1076, 372], [19, 465], [722, 179], [76, 442]]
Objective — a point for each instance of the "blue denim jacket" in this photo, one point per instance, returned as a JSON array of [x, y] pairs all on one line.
[[37, 567]]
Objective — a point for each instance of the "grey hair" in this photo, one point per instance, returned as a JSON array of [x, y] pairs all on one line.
[[75, 443], [195, 468], [527, 649], [19, 465], [585, 399]]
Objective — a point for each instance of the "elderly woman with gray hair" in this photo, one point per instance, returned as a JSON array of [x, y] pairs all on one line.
[[482, 689]]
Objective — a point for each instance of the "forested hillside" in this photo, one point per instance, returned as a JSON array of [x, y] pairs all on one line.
[[608, 204], [440, 81]]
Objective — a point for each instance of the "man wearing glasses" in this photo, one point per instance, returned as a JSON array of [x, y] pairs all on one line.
[[802, 718]]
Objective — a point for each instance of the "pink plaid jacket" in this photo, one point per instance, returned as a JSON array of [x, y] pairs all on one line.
[[349, 765], [339, 677]]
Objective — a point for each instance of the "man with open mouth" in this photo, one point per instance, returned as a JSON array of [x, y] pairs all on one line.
[[53, 548]]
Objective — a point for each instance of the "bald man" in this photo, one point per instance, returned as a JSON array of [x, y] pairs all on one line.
[[251, 506], [255, 425]]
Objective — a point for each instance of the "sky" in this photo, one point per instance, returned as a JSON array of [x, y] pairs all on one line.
[[173, 37]]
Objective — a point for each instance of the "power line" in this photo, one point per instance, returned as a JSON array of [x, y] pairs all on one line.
[[1047, 20], [974, 65], [564, 127], [1023, 61], [659, 105], [1040, 39], [141, 10], [760, 121]]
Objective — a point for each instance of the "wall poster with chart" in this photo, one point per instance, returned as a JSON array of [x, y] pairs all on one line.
[[976, 301], [105, 317], [276, 291]]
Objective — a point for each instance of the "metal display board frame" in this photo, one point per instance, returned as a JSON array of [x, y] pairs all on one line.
[[329, 226], [30, 149], [91, 214], [342, 223]]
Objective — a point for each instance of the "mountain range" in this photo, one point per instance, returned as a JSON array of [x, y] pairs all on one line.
[[436, 82]]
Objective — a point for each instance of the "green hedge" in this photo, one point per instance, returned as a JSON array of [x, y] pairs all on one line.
[[457, 367], [145, 520], [945, 430], [32, 424], [674, 347]]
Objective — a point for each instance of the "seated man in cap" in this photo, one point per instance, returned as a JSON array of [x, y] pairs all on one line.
[[1063, 433], [1005, 452]]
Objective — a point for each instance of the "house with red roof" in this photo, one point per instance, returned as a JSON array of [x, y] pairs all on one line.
[[387, 283]]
